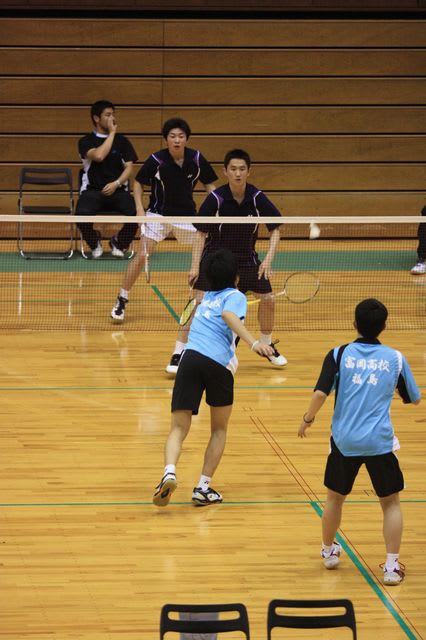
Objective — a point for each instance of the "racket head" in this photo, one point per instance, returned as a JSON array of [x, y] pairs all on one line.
[[301, 286], [187, 312]]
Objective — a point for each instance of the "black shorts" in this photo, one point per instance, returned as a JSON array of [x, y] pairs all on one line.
[[198, 373], [249, 279], [384, 472]]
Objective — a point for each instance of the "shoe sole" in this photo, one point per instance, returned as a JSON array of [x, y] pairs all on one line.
[[196, 503], [332, 566], [162, 498], [117, 320]]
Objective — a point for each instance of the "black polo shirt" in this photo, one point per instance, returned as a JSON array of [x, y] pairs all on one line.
[[238, 238], [97, 174], [172, 186]]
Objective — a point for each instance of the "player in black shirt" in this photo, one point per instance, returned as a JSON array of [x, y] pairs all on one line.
[[172, 174], [237, 198], [108, 159]]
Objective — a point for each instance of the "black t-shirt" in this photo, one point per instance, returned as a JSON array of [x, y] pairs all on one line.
[[172, 186], [97, 174], [238, 238]]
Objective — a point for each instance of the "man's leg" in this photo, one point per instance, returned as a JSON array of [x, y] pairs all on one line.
[[147, 246], [122, 202], [88, 204], [331, 518], [203, 494], [392, 533], [420, 267], [265, 317], [182, 337], [180, 425]]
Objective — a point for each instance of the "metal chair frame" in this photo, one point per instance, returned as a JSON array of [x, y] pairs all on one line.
[[49, 176]]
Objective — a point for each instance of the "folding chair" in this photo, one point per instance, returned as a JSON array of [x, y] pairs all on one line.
[[291, 621], [239, 622], [57, 178]]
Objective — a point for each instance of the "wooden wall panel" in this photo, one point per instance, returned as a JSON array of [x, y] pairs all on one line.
[[212, 32], [214, 91], [222, 120], [279, 149], [213, 62], [304, 203], [307, 176]]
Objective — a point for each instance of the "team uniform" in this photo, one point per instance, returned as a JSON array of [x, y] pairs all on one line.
[[172, 189], [365, 374], [240, 239], [209, 360], [95, 175]]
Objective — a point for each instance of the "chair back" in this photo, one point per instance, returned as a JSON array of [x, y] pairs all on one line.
[[346, 619], [239, 622]]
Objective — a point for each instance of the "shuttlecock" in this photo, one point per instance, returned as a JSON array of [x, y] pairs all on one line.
[[314, 231]]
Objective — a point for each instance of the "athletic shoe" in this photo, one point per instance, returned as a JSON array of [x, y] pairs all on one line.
[[117, 312], [115, 249], [202, 498], [396, 576], [331, 560], [277, 358], [164, 490], [97, 251], [172, 367], [419, 269]]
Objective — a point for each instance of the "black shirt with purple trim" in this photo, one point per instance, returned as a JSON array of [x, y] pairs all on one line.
[[172, 185], [238, 238]]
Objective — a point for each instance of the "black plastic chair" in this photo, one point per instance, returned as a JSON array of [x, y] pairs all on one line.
[[237, 623], [60, 181], [346, 619]]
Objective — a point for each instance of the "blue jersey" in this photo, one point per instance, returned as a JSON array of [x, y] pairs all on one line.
[[209, 334], [365, 383]]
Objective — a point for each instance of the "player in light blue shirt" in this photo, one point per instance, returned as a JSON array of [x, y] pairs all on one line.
[[364, 374], [207, 365]]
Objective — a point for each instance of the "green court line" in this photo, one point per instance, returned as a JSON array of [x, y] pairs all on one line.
[[363, 571], [166, 303], [374, 260]]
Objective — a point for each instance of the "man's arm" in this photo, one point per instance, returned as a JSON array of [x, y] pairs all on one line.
[[98, 154], [265, 268], [238, 327], [112, 187], [197, 250], [317, 400], [210, 187]]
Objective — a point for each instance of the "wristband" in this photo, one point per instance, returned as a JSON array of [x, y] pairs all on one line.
[[254, 344], [308, 421], [118, 182]]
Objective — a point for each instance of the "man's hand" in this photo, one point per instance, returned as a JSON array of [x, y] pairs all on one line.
[[111, 124], [110, 188]]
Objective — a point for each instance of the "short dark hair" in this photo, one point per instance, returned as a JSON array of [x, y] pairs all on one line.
[[221, 269], [175, 123], [98, 107], [370, 317], [239, 154]]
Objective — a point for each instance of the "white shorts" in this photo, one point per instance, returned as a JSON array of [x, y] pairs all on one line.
[[184, 233]]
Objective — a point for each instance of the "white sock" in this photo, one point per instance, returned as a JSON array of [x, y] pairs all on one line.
[[179, 347], [124, 294], [392, 561], [204, 482], [266, 338], [327, 548], [170, 468]]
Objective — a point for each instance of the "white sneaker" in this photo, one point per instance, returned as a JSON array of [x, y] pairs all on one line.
[[419, 269], [98, 251], [117, 312], [277, 358], [115, 249], [332, 560], [396, 576]]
